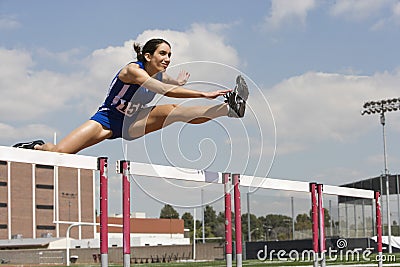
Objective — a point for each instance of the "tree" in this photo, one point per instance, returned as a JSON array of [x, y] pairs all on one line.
[[210, 218], [168, 212], [276, 226], [188, 220], [220, 227], [256, 228], [303, 222]]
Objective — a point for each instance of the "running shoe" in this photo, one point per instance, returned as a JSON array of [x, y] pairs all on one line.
[[29, 145], [237, 98]]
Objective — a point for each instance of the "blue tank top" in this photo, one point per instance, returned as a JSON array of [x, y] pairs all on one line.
[[126, 99]]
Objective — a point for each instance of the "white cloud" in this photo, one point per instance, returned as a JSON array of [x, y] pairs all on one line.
[[317, 106], [200, 42], [28, 94], [393, 18], [29, 91], [8, 22], [396, 9], [284, 11], [26, 132], [358, 9]]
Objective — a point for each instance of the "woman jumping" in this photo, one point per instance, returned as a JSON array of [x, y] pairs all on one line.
[[124, 113]]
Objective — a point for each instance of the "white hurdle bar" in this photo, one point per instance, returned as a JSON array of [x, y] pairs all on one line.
[[11, 154]]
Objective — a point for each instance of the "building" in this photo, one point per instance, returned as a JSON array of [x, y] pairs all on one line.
[[43, 193], [39, 200], [149, 232]]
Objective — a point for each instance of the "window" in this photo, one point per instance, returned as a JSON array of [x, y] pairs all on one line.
[[45, 227], [39, 166], [45, 186], [44, 207], [3, 183], [3, 205], [3, 226]]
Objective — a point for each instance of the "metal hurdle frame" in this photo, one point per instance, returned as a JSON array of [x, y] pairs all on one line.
[[103, 167], [314, 219], [228, 218], [36, 157], [238, 220], [349, 192], [232, 183]]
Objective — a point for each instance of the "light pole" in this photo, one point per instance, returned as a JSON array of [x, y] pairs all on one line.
[[202, 217], [381, 107], [248, 217]]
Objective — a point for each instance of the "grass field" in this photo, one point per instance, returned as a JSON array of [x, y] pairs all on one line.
[[395, 263]]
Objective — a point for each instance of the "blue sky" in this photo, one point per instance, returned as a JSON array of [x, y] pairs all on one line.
[[313, 62]]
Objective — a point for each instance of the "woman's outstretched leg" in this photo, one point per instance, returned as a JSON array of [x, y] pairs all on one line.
[[158, 117], [88, 134]]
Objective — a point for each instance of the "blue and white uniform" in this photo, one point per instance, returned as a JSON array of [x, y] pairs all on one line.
[[122, 105]]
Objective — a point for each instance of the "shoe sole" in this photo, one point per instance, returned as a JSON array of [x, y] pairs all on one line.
[[29, 145], [241, 88]]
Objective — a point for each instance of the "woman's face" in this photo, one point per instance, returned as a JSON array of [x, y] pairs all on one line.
[[160, 60]]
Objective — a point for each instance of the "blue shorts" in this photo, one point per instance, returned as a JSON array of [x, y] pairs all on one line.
[[119, 125]]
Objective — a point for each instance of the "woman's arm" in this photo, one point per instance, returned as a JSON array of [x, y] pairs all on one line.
[[134, 75], [182, 78]]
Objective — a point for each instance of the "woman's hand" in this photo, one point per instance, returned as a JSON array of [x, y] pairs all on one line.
[[183, 77], [215, 94]]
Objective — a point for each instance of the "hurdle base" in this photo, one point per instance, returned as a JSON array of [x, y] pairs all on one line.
[[127, 260], [104, 260], [228, 260], [239, 260], [380, 261]]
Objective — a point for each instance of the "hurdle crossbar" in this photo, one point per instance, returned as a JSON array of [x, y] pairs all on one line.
[[299, 186], [348, 192], [168, 172], [272, 183], [12, 154]]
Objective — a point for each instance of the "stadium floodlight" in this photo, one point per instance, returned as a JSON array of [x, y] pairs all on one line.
[[382, 106]]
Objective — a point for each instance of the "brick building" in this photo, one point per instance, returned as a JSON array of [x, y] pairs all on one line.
[[38, 198], [43, 193]]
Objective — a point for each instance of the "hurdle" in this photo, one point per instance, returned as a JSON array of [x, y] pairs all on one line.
[[125, 168], [58, 164], [232, 182], [317, 191]]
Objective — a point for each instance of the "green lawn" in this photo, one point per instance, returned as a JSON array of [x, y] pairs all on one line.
[[394, 260]]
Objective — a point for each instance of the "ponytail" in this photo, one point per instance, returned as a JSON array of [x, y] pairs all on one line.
[[138, 50]]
